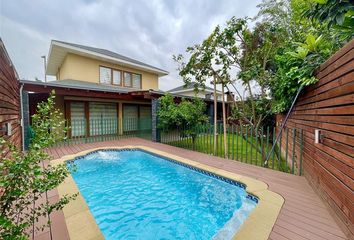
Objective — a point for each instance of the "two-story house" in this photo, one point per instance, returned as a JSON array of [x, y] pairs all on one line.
[[95, 86]]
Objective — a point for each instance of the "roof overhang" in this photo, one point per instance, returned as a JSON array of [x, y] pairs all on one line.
[[58, 84], [59, 50], [192, 89], [35, 87], [80, 91], [158, 94]]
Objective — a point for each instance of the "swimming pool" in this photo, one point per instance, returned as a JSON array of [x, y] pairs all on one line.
[[133, 194]]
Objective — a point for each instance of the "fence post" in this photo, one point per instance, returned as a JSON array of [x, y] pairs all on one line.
[[293, 152], [156, 135], [301, 149], [101, 122]]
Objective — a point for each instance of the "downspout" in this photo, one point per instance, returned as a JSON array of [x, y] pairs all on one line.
[[22, 122], [283, 125]]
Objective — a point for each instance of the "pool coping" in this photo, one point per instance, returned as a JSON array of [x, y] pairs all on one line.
[[81, 223]]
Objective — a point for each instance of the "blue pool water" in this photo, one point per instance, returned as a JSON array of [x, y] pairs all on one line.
[[137, 195]]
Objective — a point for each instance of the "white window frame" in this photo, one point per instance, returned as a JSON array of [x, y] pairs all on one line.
[[101, 75]]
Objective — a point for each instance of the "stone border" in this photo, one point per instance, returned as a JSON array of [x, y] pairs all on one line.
[[81, 224]]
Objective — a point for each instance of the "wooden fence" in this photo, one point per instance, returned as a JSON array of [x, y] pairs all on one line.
[[9, 99], [328, 106]]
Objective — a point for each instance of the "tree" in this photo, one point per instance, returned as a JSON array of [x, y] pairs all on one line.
[[214, 59], [333, 13], [25, 178], [256, 61], [296, 68], [188, 115], [301, 46]]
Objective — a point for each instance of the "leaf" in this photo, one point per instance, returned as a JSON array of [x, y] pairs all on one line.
[[340, 19], [320, 1]]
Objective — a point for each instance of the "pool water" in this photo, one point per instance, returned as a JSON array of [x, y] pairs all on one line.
[[138, 195]]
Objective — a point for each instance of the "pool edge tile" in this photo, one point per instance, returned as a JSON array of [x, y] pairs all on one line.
[[257, 226], [79, 220]]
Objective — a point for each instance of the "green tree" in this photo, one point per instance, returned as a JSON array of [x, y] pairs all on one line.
[[214, 60], [188, 115], [200, 67], [25, 178], [334, 13], [302, 48]]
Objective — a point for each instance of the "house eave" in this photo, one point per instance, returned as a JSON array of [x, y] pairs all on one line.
[[192, 89], [58, 51]]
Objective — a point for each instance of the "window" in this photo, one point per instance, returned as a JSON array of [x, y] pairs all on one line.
[[136, 81], [120, 78], [117, 77], [127, 79], [105, 75]]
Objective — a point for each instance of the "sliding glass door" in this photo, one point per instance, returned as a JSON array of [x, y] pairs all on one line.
[[103, 118]]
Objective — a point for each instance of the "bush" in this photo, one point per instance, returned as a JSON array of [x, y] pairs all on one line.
[[25, 178]]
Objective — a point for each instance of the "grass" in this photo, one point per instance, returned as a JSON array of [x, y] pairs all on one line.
[[243, 149]]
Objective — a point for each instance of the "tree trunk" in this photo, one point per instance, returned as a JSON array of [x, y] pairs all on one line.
[[215, 118], [224, 121]]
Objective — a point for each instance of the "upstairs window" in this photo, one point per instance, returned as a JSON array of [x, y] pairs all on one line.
[[117, 77], [136, 81], [105, 75], [127, 79]]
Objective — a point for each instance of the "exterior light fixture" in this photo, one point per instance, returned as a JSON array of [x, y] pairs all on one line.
[[318, 136], [7, 129]]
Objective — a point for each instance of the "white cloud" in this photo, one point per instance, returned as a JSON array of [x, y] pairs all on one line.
[[150, 31]]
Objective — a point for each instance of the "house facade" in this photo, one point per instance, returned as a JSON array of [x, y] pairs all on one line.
[[99, 91]]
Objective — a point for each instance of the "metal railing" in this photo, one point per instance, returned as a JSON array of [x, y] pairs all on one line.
[[244, 143]]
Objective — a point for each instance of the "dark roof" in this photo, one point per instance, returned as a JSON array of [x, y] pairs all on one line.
[[75, 84], [188, 86]]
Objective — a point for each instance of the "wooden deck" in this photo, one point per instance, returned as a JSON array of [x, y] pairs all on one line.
[[303, 216]]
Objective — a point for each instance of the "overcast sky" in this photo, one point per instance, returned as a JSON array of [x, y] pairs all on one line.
[[150, 31]]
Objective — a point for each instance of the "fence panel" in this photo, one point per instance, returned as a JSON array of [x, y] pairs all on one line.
[[244, 143], [328, 107]]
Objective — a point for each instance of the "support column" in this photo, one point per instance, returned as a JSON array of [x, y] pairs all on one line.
[[120, 118], [26, 119], [155, 105], [211, 113]]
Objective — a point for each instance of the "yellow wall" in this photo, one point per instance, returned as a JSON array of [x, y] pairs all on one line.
[[82, 68]]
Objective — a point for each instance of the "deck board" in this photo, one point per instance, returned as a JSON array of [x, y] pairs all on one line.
[[303, 216]]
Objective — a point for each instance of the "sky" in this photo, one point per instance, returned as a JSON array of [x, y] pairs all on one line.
[[151, 31]]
